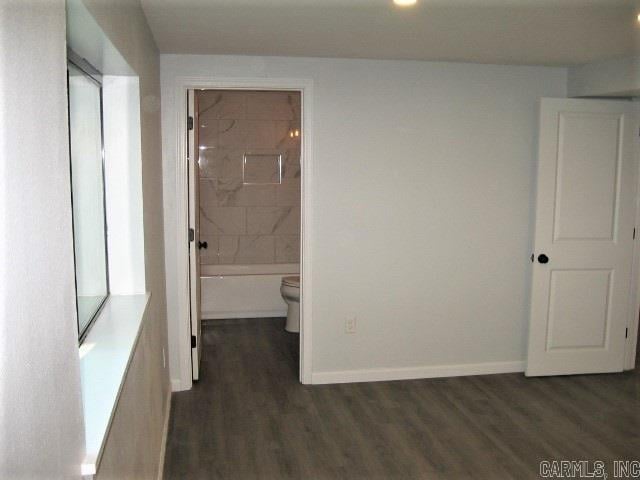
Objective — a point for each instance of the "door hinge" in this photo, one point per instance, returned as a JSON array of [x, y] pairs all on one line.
[[189, 123], [193, 341], [626, 332], [634, 233], [192, 234]]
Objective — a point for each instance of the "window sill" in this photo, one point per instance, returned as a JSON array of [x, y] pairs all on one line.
[[105, 355]]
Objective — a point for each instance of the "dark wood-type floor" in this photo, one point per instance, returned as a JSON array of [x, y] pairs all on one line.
[[250, 418]]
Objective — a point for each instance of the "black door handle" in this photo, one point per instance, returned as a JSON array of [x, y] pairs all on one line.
[[542, 258], [202, 245]]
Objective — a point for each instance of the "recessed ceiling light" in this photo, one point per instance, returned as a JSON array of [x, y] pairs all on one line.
[[639, 17], [405, 3]]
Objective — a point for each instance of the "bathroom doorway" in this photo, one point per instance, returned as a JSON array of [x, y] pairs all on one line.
[[247, 180]]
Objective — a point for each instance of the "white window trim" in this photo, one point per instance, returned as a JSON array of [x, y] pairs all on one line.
[[105, 356]]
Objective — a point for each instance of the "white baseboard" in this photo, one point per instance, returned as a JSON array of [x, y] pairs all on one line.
[[248, 314], [412, 373], [165, 433]]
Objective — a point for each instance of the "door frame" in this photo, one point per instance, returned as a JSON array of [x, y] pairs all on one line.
[[633, 322], [305, 87], [633, 318]]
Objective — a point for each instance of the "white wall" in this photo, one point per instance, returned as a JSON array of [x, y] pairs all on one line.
[[616, 77], [422, 184], [41, 430]]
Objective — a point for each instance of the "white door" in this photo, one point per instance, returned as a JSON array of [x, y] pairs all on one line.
[[583, 248], [194, 233]]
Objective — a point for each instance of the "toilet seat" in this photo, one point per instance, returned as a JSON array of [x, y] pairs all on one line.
[[291, 281]]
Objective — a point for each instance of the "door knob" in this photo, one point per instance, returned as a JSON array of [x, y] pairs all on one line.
[[543, 258], [202, 245]]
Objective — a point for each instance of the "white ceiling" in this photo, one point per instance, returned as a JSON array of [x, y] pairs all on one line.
[[531, 32]]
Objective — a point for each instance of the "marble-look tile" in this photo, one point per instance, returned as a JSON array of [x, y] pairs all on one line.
[[232, 133], [247, 249], [220, 193], [221, 104], [208, 193], [227, 249], [288, 193], [273, 220], [208, 134], [291, 164], [209, 255], [261, 134], [256, 195], [288, 249], [228, 191], [273, 105], [262, 168], [221, 163], [256, 249], [283, 138], [222, 220], [240, 221]]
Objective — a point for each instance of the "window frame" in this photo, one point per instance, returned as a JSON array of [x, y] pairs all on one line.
[[95, 76]]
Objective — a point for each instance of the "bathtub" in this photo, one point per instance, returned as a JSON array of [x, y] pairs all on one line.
[[243, 291]]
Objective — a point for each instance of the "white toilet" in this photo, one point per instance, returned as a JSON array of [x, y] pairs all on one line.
[[290, 290]]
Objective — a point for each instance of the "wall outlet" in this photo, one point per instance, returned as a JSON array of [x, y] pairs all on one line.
[[350, 325]]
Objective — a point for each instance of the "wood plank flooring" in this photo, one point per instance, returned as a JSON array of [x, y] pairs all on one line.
[[249, 418]]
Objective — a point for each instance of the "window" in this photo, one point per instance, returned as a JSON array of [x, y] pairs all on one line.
[[87, 191]]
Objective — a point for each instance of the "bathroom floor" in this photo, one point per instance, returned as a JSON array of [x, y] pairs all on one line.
[[250, 418]]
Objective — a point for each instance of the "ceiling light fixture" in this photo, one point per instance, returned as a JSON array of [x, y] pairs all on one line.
[[405, 3]]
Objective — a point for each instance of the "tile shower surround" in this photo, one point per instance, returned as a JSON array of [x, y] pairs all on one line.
[[257, 223]]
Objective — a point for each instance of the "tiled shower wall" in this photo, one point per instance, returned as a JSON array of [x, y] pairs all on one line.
[[249, 211]]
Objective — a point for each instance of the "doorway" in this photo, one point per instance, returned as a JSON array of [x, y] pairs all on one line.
[[244, 207], [269, 164]]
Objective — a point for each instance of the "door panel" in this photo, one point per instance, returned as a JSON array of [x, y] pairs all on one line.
[[194, 225], [585, 213], [578, 297], [589, 156]]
